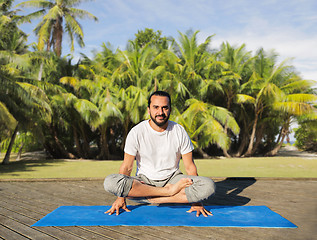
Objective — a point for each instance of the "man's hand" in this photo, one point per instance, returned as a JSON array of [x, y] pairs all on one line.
[[119, 203], [200, 210]]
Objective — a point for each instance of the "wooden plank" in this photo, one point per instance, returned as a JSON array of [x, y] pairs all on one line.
[[6, 233], [133, 232], [52, 231], [60, 192], [154, 231], [23, 229], [108, 233]]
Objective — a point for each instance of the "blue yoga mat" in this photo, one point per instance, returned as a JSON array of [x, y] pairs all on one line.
[[223, 216]]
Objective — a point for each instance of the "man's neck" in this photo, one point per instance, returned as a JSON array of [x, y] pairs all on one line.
[[158, 128]]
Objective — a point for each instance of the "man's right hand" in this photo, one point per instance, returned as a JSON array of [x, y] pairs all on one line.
[[119, 203]]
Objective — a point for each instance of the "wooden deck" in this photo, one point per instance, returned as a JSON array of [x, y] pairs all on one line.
[[24, 203]]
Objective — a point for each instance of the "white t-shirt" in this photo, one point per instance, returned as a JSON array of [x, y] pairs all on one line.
[[157, 153]]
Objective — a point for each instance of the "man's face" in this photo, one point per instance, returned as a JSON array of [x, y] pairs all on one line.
[[159, 110]]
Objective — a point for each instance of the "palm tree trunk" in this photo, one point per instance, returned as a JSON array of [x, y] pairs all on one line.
[[273, 152], [20, 151], [258, 138], [77, 143], [60, 145], [86, 147], [225, 152], [39, 78], [203, 153], [58, 32], [276, 149], [243, 138], [104, 148], [241, 148], [8, 153], [250, 147]]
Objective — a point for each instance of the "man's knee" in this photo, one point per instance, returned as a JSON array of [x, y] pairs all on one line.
[[110, 183], [202, 189], [118, 184], [210, 187]]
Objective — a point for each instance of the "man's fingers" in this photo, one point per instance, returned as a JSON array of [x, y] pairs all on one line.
[[209, 213], [126, 209], [117, 211], [110, 211], [204, 212]]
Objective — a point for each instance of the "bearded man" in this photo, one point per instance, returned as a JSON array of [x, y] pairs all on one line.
[[157, 145]]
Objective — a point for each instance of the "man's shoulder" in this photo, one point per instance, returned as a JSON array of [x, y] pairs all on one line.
[[141, 125], [175, 126]]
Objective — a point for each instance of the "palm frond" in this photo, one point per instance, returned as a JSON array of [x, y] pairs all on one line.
[[6, 118], [293, 108]]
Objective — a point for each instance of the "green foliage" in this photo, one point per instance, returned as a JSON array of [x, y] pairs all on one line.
[[306, 135], [149, 37]]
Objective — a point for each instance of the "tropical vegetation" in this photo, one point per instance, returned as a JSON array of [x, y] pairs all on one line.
[[231, 101]]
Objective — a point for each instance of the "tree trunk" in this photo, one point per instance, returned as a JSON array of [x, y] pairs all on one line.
[[8, 153], [20, 152], [77, 143], [60, 145], [40, 72], [243, 138], [250, 147], [202, 153], [104, 148], [58, 34], [279, 144], [258, 138], [225, 152], [85, 144]]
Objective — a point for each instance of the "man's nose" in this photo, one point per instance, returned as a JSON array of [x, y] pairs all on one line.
[[161, 111]]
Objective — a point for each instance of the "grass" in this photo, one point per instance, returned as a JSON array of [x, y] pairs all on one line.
[[288, 167]]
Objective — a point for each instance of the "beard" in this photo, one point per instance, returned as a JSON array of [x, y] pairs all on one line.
[[161, 123]]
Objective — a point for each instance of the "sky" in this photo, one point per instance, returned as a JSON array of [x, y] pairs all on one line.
[[289, 27]]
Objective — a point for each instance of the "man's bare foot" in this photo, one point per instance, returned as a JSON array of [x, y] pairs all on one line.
[[177, 187]]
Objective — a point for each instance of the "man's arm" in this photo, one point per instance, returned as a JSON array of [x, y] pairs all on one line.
[[127, 164], [126, 169], [191, 169], [189, 164]]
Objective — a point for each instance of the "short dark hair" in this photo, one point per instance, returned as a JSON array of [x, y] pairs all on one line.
[[162, 94]]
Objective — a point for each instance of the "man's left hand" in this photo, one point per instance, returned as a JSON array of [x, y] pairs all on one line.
[[200, 210]]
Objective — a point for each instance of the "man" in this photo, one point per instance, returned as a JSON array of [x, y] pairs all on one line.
[[157, 145]]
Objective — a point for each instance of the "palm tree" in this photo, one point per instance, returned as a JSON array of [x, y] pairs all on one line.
[[295, 101], [275, 88], [222, 80], [204, 124], [58, 16], [100, 111], [194, 59], [17, 105]]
